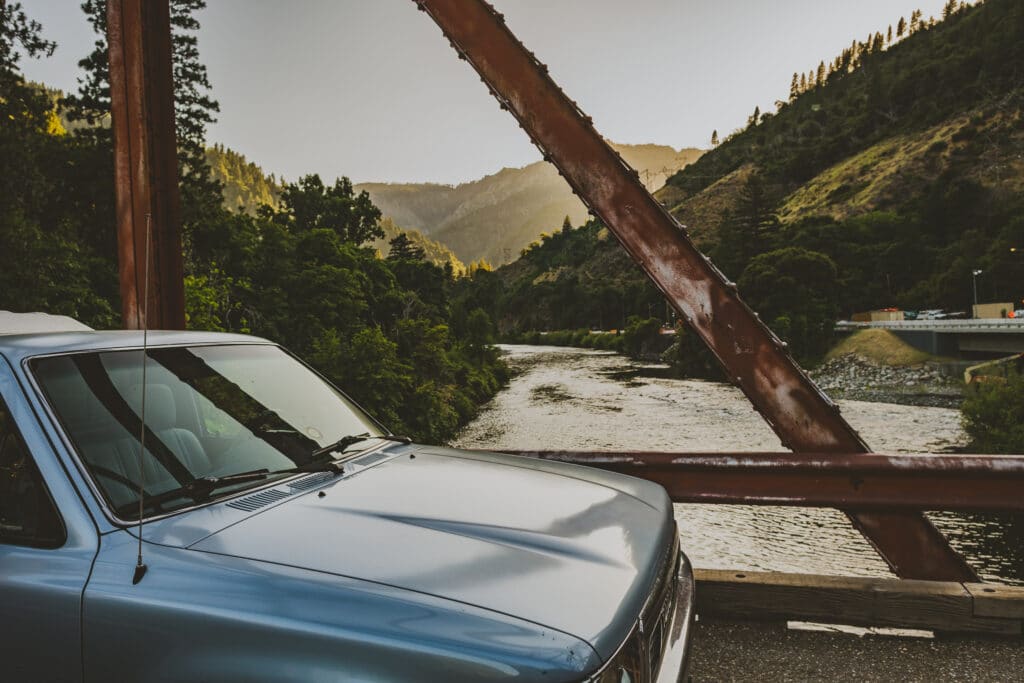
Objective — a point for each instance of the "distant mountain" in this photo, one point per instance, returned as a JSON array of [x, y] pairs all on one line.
[[498, 216]]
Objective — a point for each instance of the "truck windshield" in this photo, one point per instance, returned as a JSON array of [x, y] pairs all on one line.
[[211, 412]]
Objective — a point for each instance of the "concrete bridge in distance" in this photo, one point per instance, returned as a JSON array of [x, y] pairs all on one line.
[[975, 338]]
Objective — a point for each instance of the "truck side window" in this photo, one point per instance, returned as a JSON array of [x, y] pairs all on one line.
[[27, 515]]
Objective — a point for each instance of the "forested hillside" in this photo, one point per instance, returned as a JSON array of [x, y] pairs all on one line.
[[493, 219], [903, 162], [887, 178], [245, 186], [301, 269]]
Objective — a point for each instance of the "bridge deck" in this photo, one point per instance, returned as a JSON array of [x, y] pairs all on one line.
[[753, 651]]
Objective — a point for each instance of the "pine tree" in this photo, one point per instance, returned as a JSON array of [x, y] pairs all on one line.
[[17, 29], [403, 249], [714, 138], [566, 224], [915, 21], [878, 43], [193, 107], [888, 36], [820, 76], [794, 87], [755, 118], [949, 9], [901, 27]]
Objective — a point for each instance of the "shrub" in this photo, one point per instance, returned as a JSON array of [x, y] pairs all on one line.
[[993, 415]]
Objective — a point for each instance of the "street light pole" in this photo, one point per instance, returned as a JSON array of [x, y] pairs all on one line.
[[974, 279]]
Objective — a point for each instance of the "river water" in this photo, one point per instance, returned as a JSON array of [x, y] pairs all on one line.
[[577, 399]]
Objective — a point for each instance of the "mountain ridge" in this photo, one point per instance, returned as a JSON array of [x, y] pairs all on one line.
[[495, 217]]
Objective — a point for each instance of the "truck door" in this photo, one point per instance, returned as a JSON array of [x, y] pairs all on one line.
[[44, 561]]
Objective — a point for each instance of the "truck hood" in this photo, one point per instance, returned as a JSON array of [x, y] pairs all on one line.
[[566, 547]]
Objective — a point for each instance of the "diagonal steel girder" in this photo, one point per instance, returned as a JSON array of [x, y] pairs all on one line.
[[754, 358]]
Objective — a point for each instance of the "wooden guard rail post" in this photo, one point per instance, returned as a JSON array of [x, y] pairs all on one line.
[[753, 357]]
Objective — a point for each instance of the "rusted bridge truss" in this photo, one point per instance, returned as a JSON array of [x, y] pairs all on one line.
[[830, 466]]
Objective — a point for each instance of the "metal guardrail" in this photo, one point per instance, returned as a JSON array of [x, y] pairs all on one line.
[[866, 481]]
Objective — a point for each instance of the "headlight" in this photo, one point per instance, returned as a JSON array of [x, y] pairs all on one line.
[[626, 666]]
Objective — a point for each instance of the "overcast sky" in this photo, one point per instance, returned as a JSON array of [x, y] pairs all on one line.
[[370, 88]]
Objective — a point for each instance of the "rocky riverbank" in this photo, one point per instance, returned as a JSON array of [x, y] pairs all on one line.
[[861, 379]]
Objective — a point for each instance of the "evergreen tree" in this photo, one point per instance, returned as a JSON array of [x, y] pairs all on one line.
[[17, 30], [403, 248], [794, 87], [194, 108], [803, 83], [566, 224], [877, 43], [714, 138], [949, 9], [888, 36], [755, 118], [901, 27], [820, 76], [915, 21]]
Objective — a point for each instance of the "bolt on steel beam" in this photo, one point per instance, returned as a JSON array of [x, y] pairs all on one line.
[[145, 163], [756, 360]]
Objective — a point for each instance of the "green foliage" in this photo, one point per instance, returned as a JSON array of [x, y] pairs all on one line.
[[641, 336], [310, 205], [382, 329], [402, 248], [689, 357], [993, 415], [794, 291]]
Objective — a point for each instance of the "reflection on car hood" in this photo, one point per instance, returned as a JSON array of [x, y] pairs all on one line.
[[576, 552]]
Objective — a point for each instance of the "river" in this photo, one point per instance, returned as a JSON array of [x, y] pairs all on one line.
[[567, 398]]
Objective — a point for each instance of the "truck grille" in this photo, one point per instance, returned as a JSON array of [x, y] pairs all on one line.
[[656, 618], [640, 658]]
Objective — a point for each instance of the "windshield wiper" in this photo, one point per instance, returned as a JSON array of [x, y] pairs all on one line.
[[344, 442], [201, 488], [198, 490]]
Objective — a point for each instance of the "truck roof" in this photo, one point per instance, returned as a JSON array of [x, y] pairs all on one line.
[[19, 346]]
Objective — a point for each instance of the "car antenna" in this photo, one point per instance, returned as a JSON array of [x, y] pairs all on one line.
[[140, 567]]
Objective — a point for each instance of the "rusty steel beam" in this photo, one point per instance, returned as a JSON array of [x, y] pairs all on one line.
[[754, 358], [855, 482], [145, 163]]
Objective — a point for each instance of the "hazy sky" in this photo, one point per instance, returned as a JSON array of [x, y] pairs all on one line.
[[371, 89]]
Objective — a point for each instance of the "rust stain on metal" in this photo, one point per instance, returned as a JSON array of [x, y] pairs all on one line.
[[872, 481], [801, 415], [145, 161]]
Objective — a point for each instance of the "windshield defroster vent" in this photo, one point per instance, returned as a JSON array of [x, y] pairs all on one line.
[[258, 500], [310, 482]]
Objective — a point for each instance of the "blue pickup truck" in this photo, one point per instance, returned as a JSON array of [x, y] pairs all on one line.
[[287, 536]]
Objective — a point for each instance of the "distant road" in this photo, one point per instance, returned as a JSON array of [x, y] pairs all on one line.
[[964, 338], [986, 325]]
